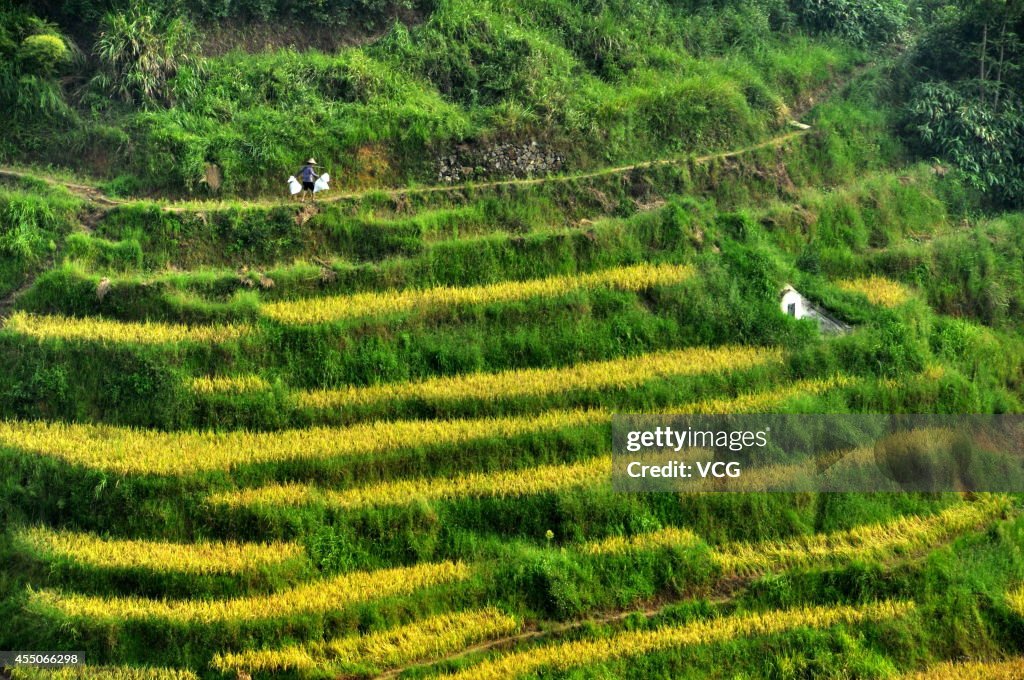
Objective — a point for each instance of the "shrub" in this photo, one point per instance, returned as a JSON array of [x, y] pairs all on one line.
[[890, 349], [474, 55], [140, 53], [982, 140], [30, 226], [863, 21], [42, 54]]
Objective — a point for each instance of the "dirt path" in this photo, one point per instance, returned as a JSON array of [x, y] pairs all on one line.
[[96, 196], [7, 303], [724, 591], [510, 640], [86, 191], [603, 172]]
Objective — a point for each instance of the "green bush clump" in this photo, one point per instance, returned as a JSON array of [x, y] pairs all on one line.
[[31, 226], [42, 54], [336, 14], [120, 256], [983, 141], [140, 53], [962, 86], [866, 22], [475, 55], [32, 54]]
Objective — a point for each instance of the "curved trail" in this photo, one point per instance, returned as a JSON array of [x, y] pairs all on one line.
[[723, 592], [102, 202], [510, 640], [95, 195], [89, 192]]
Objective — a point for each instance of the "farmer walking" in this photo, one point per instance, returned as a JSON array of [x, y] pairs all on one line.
[[308, 176]]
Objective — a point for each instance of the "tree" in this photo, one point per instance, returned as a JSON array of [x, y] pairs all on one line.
[[862, 21], [982, 137], [967, 106]]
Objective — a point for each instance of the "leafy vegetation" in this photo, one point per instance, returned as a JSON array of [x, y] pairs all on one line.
[[31, 225], [967, 106], [139, 55], [873, 22]]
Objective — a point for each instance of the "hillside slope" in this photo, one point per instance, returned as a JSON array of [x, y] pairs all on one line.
[[613, 83], [369, 436]]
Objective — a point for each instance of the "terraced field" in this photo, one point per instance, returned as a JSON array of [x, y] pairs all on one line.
[[396, 461]]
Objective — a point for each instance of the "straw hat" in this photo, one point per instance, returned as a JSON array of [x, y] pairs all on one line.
[[311, 161]]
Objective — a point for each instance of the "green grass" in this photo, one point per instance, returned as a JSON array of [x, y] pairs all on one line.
[[32, 224]]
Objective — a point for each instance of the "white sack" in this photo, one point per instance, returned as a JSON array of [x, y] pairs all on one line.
[[322, 183], [293, 185]]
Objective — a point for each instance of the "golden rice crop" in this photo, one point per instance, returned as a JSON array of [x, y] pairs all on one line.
[[192, 558], [132, 451], [618, 545], [504, 483], [431, 638], [320, 310], [1009, 669], [104, 330], [859, 465], [573, 654], [805, 475], [746, 403], [545, 478], [129, 450], [101, 673], [902, 535], [617, 373], [872, 541], [311, 598], [878, 290], [228, 384]]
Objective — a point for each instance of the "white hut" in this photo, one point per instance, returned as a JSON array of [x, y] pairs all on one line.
[[794, 304]]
